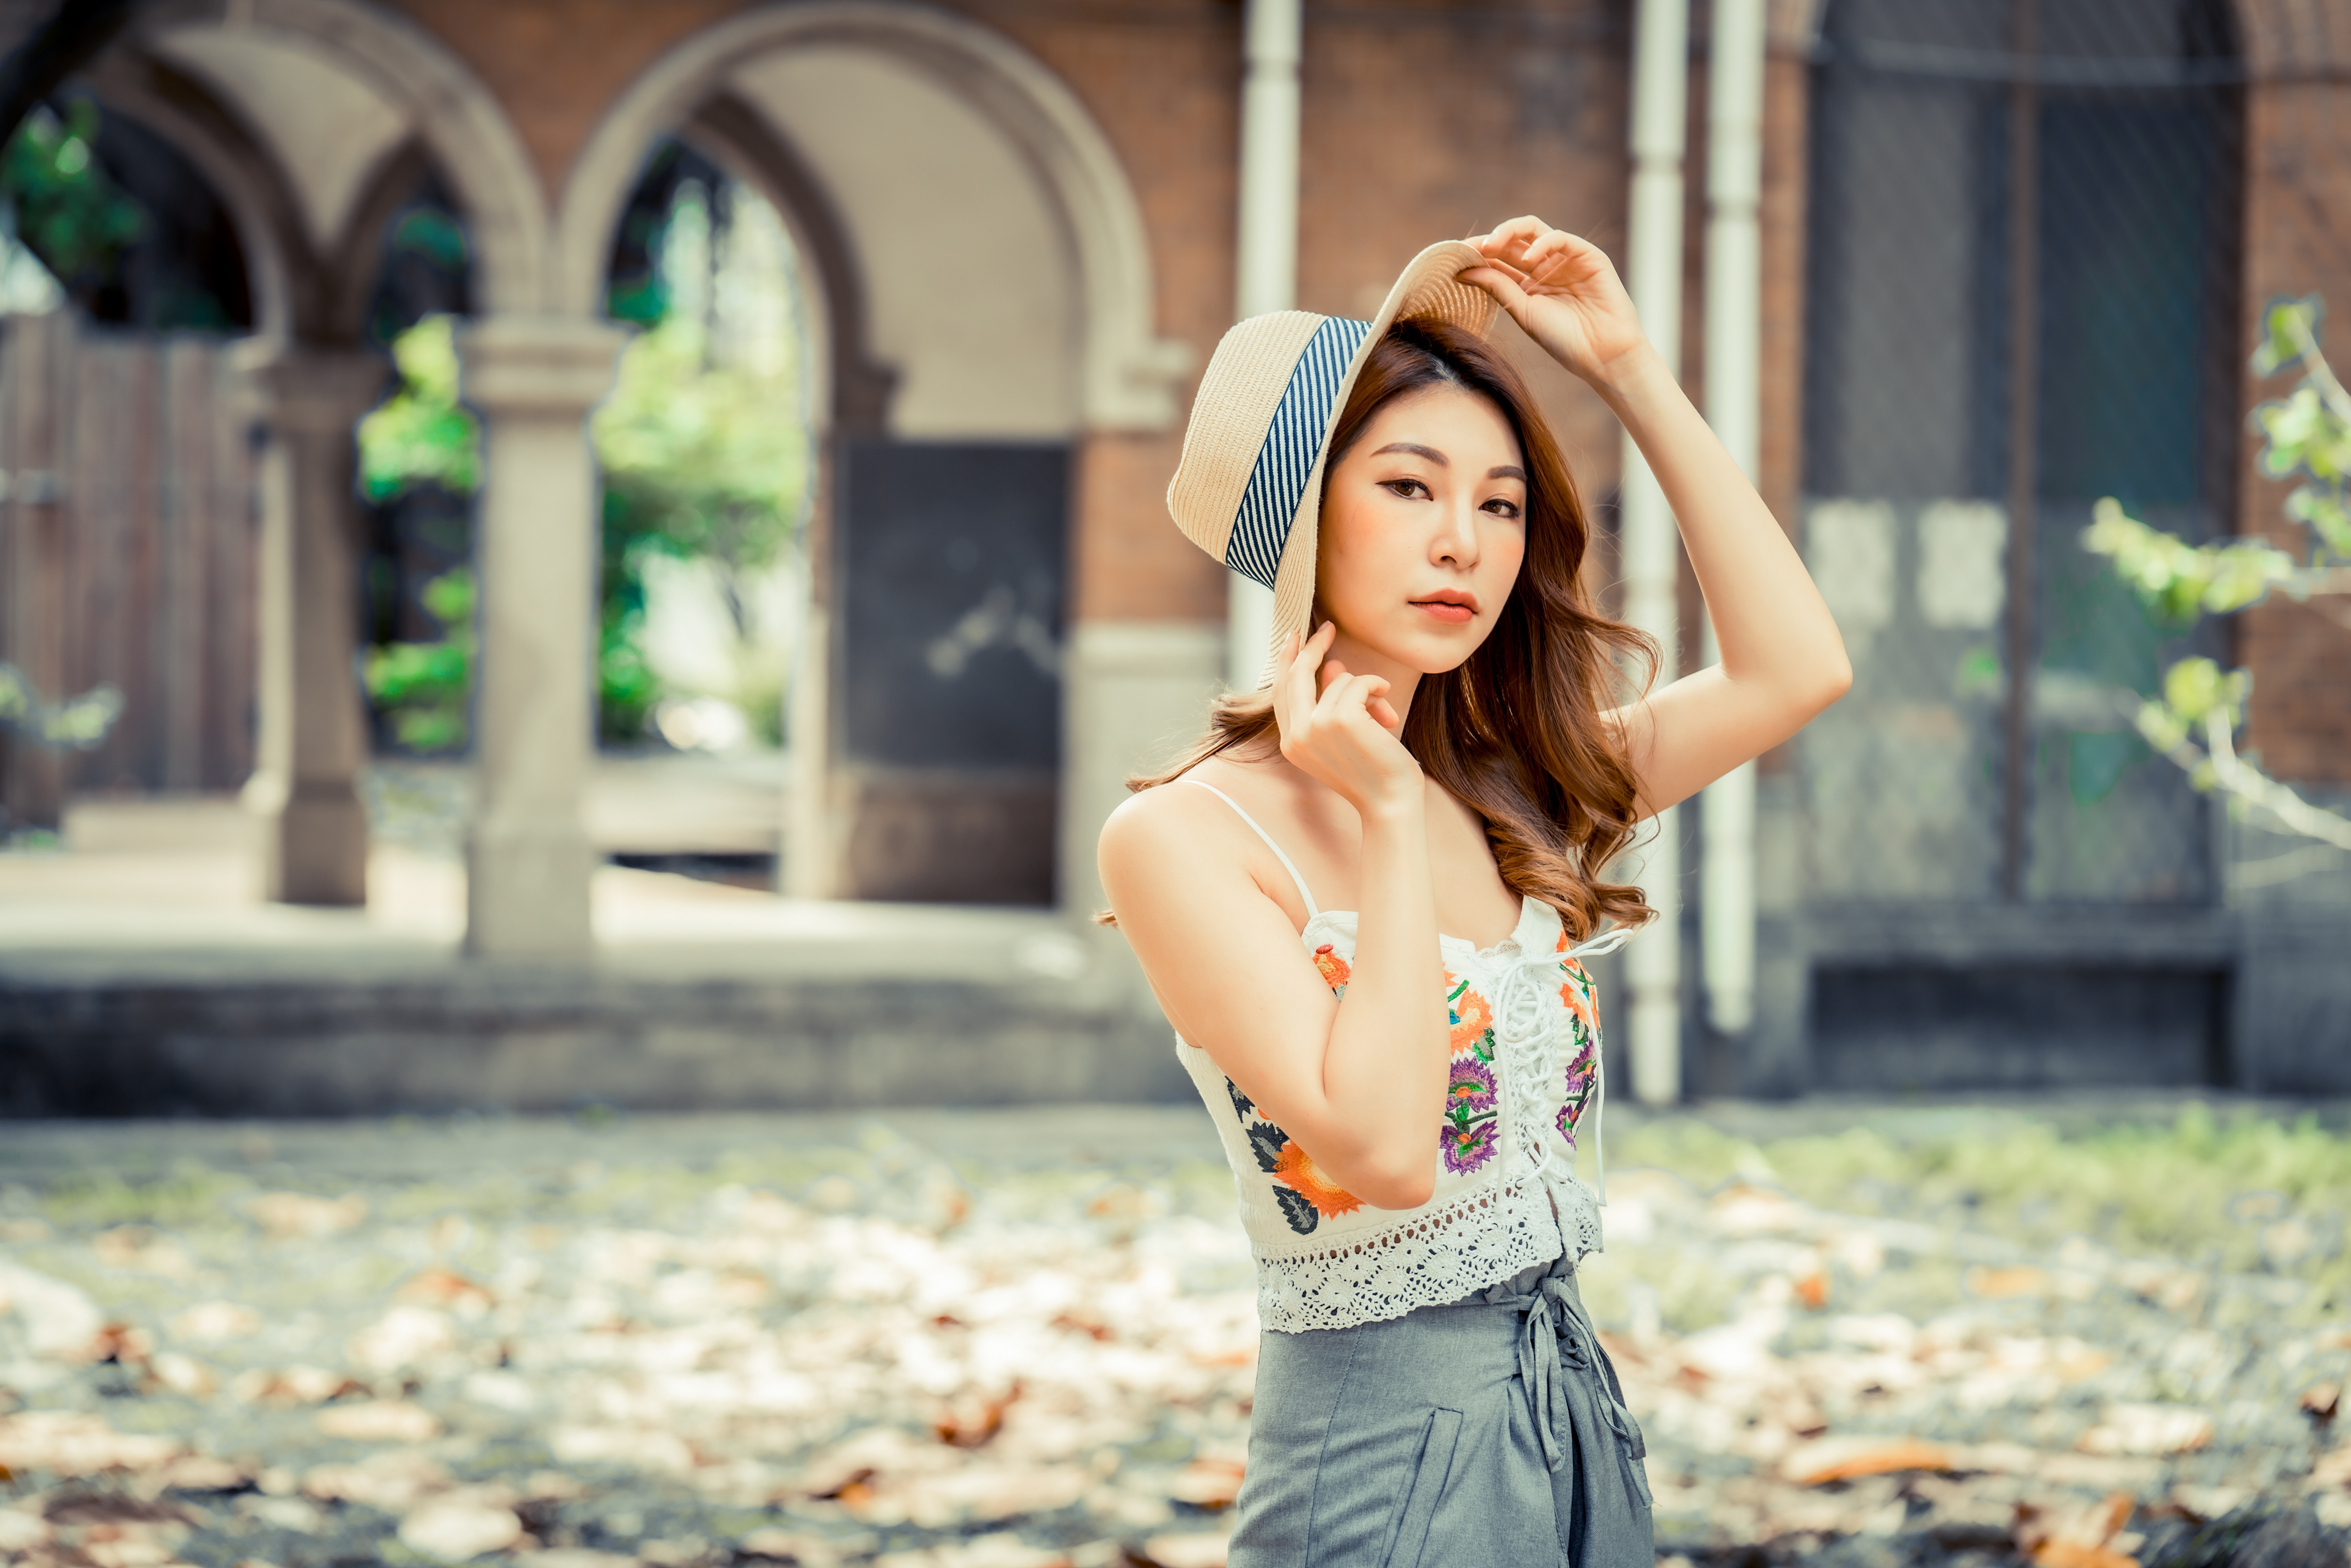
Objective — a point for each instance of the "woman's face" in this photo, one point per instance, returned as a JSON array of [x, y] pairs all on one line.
[[1423, 528]]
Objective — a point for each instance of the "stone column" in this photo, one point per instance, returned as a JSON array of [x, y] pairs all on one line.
[[1135, 693], [533, 379], [312, 738]]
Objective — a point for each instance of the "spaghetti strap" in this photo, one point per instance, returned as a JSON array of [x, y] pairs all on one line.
[[1287, 865]]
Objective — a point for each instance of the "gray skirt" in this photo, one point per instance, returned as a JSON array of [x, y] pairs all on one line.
[[1489, 1430]]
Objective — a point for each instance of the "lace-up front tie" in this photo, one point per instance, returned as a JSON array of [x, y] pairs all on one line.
[[1561, 1358]]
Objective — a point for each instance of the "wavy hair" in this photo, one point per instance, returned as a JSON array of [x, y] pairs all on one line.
[[1516, 731]]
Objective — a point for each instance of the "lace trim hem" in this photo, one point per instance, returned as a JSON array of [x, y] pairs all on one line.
[[1477, 1240]]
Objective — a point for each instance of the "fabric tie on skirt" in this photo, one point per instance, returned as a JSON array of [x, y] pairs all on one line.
[[1559, 1349]]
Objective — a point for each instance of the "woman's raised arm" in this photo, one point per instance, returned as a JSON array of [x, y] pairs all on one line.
[[1782, 660], [1358, 1083]]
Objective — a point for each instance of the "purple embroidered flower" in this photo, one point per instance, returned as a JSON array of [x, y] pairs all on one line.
[[1579, 1096], [1466, 1148], [1472, 1087]]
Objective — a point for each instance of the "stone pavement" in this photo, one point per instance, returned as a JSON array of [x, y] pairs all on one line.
[[1021, 1338]]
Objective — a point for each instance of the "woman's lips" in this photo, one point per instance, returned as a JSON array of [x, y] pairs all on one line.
[[1445, 610]]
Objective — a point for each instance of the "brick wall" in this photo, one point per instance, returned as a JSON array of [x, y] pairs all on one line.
[[2297, 242], [1424, 121]]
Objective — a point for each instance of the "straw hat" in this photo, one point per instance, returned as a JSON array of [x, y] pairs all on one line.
[[1249, 488]]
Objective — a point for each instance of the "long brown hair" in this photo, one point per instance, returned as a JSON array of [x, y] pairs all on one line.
[[1515, 732]]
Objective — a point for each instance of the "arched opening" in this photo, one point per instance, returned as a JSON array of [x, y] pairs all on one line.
[[707, 453], [956, 375]]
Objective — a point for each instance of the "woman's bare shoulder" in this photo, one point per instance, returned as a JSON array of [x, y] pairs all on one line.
[[1174, 823]]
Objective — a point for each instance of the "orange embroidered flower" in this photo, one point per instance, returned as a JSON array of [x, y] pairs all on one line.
[[1335, 973], [1576, 991], [1471, 1019], [1303, 1176]]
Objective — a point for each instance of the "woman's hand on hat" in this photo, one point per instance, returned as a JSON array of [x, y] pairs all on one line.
[[1341, 728], [1564, 291]]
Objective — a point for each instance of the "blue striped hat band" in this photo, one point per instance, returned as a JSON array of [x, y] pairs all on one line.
[[1293, 440]]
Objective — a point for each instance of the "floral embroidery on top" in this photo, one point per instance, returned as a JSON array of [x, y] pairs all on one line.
[[1299, 1187], [1467, 1138], [1334, 969], [1578, 996], [1471, 1018]]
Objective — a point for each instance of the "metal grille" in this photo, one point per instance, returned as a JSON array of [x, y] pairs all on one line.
[[2023, 295]]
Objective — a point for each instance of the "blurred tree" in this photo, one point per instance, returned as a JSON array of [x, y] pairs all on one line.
[[127, 226], [2194, 718], [419, 437], [703, 442], [703, 451], [61, 203]]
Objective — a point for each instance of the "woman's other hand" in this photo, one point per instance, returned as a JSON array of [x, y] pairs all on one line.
[[1564, 291], [1340, 729]]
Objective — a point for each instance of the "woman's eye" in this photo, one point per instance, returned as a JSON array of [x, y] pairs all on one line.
[[1408, 488], [1502, 508]]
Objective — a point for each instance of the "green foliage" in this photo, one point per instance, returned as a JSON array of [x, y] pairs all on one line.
[[422, 435], [2308, 433], [75, 724], [423, 686], [2182, 582], [68, 212], [626, 688], [700, 458]]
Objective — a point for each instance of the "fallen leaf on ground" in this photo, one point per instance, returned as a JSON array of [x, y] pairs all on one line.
[[292, 1385], [2005, 1284], [788, 1546], [210, 1321], [460, 1525], [1207, 1483], [1188, 1551], [69, 1443], [297, 1216], [2083, 1538], [379, 1421], [1845, 1459], [403, 1337], [394, 1482], [438, 1287], [59, 1320], [2151, 1430]]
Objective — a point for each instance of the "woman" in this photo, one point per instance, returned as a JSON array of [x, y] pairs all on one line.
[[1367, 926]]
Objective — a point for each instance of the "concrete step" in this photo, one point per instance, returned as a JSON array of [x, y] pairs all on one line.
[[149, 982]]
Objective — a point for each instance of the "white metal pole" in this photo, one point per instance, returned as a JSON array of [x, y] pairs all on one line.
[[1267, 260], [1734, 288], [1646, 537]]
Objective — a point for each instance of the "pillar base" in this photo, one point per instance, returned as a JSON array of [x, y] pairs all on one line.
[[527, 892], [314, 840]]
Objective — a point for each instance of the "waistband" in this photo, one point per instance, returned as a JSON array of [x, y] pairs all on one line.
[[1557, 1341]]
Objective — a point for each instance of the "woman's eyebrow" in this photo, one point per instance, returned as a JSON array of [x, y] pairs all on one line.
[[1508, 471], [1431, 453]]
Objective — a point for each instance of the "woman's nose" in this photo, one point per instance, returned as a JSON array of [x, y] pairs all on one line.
[[1458, 540]]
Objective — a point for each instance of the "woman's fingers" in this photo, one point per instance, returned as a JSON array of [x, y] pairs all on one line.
[[1499, 283], [1517, 232], [1295, 691]]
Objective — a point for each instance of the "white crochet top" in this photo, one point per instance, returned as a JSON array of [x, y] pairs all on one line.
[[1526, 1069]]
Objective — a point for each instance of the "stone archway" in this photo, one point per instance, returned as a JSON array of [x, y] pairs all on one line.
[[395, 81], [314, 112], [981, 377], [1129, 373]]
